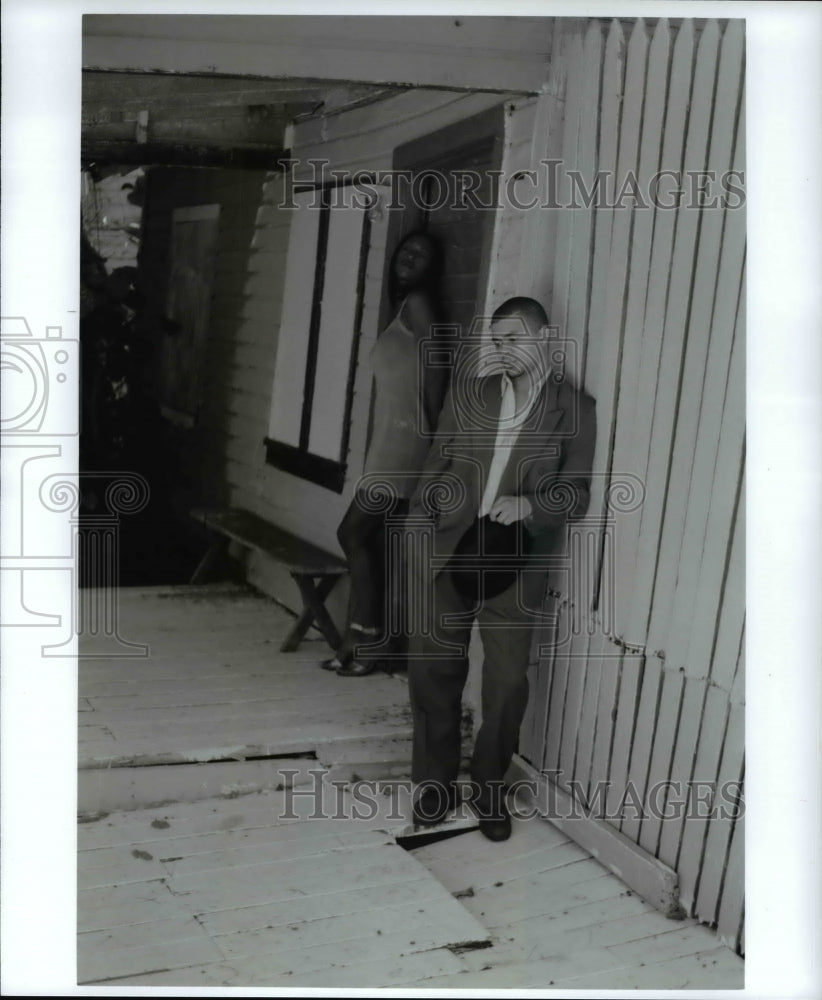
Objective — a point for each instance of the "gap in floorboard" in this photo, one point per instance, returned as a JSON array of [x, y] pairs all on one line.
[[411, 841], [292, 755]]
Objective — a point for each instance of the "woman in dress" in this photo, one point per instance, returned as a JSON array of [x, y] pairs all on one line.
[[406, 409]]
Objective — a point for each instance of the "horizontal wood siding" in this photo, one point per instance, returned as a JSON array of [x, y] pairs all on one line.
[[648, 689]]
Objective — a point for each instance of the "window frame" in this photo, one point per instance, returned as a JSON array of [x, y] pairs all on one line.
[[298, 460]]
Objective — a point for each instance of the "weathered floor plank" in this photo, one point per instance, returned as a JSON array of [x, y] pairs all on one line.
[[277, 907], [215, 686], [574, 924], [284, 887]]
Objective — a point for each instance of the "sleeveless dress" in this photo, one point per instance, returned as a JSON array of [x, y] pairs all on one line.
[[401, 433]]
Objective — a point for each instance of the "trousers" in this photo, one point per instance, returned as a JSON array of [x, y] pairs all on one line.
[[438, 670]]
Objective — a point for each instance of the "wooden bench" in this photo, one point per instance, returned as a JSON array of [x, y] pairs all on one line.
[[313, 570]]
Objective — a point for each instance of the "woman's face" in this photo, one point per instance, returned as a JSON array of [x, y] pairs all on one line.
[[412, 260]]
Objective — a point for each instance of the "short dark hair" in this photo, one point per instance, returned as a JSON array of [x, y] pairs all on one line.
[[521, 305]]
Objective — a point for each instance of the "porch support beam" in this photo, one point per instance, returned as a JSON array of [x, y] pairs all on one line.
[[507, 54]]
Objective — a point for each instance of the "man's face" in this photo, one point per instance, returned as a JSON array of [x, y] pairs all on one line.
[[518, 349]]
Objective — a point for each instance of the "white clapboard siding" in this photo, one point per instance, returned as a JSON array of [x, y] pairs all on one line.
[[562, 268], [503, 272], [597, 154], [560, 124], [676, 313], [738, 686], [663, 222], [540, 674], [628, 460], [717, 408], [534, 273], [680, 548], [578, 663], [582, 218], [575, 664], [730, 462], [664, 714], [712, 881], [582, 128], [732, 616], [632, 111], [599, 375], [642, 735], [729, 921], [691, 714], [649, 687], [721, 826], [604, 342], [628, 465], [682, 534], [597, 654], [558, 681], [708, 755]]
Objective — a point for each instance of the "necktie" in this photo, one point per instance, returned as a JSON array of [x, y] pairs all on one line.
[[507, 432]]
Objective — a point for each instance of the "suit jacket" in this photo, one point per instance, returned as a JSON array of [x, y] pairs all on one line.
[[550, 463]]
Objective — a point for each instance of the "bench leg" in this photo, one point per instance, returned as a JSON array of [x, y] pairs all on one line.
[[216, 551], [313, 596]]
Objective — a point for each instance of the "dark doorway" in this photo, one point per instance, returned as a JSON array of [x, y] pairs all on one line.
[[452, 195]]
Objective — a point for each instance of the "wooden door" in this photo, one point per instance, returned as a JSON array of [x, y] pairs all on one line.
[[194, 233]]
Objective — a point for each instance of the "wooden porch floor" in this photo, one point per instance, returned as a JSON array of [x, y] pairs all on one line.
[[198, 865]]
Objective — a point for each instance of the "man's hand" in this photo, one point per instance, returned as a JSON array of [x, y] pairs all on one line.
[[506, 510]]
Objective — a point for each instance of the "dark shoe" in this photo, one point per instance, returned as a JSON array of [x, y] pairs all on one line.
[[433, 802], [358, 668], [343, 656], [494, 818], [498, 828]]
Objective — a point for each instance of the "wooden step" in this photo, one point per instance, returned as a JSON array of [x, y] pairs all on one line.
[[106, 790]]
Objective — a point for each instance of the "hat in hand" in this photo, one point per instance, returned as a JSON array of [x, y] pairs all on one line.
[[488, 558]]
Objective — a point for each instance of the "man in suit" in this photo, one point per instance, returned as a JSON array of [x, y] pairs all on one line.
[[520, 442]]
